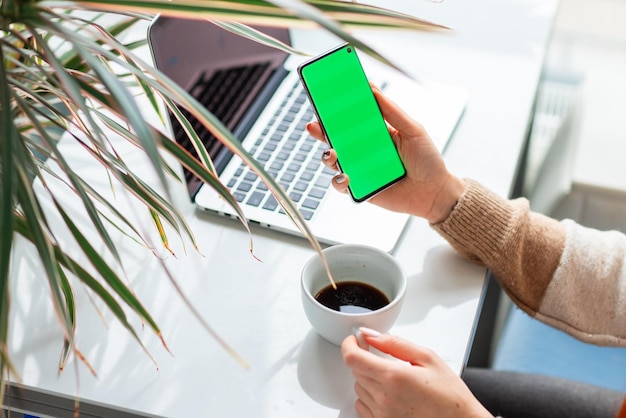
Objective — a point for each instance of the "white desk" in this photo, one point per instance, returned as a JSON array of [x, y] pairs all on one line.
[[497, 52]]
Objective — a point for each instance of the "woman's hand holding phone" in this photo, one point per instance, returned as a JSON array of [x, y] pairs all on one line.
[[429, 190], [351, 121]]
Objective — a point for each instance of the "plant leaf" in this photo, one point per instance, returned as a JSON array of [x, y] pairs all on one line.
[[71, 307], [36, 221], [8, 143], [90, 281], [255, 35], [73, 90], [127, 105], [330, 15], [106, 272], [162, 234], [90, 81], [167, 88]]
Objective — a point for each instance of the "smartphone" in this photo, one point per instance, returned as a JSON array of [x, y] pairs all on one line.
[[351, 121]]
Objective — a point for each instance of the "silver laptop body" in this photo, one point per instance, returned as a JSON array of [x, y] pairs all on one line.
[[254, 90]]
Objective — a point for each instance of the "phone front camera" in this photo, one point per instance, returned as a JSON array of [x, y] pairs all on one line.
[[349, 50]]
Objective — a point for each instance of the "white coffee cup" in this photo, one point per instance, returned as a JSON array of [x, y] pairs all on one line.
[[352, 263]]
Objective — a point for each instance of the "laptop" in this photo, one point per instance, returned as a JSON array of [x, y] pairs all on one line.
[[255, 91]]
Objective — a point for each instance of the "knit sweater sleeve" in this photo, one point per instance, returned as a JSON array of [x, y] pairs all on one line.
[[566, 275]]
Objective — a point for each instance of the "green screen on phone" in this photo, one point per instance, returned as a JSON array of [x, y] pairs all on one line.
[[352, 122]]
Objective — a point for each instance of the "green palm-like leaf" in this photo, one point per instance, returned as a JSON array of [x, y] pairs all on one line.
[[65, 73], [10, 137]]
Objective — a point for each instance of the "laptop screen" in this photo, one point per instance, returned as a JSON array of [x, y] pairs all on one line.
[[227, 73]]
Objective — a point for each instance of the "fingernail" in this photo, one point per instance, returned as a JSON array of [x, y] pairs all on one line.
[[368, 332], [326, 154], [341, 178]]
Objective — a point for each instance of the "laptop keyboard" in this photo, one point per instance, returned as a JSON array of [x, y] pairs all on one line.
[[221, 93], [290, 155]]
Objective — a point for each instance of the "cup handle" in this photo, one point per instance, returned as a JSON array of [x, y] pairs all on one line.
[[360, 339]]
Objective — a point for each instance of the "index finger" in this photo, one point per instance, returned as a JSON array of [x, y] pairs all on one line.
[[315, 130]]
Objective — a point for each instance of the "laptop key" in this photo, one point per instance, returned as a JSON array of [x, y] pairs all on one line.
[[310, 203], [301, 186], [277, 165], [269, 147], [300, 157], [323, 182], [288, 177], [307, 175], [271, 203], [317, 193], [329, 171], [295, 196], [263, 157], [255, 199], [307, 214], [244, 187], [239, 196]]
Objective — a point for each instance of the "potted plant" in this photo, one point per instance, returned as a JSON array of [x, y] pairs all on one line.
[[65, 72]]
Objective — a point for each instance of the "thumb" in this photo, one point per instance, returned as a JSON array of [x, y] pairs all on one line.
[[399, 348]]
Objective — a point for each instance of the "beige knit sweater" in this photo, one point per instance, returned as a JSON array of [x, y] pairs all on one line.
[[566, 275]]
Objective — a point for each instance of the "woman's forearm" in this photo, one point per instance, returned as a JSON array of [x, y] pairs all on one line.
[[545, 266]]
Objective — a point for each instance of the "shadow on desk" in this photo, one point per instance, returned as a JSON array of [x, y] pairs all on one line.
[[323, 375], [444, 282]]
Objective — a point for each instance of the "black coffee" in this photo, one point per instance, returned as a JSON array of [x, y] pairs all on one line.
[[352, 297]]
